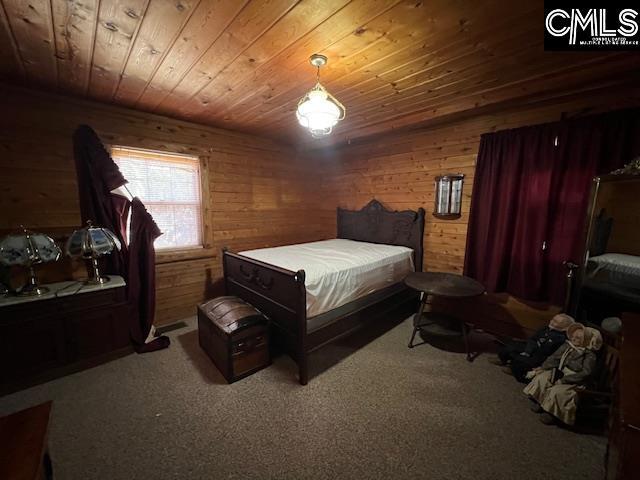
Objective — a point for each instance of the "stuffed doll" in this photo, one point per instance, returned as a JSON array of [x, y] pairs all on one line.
[[521, 357], [554, 386]]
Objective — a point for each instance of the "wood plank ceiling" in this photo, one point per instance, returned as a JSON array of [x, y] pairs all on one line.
[[243, 64]]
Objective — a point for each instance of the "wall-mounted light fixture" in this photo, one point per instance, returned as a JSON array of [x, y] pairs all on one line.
[[448, 203]]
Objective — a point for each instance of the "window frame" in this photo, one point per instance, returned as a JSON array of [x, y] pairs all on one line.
[[204, 249]]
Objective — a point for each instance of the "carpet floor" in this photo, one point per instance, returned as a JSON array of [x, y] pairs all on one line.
[[375, 409]]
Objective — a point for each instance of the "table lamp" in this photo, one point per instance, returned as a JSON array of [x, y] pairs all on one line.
[[29, 249], [91, 243]]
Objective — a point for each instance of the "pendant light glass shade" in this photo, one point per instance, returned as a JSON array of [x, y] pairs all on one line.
[[319, 111]]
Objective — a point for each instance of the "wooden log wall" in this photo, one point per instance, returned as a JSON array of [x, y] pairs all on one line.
[[257, 191], [399, 169], [263, 193]]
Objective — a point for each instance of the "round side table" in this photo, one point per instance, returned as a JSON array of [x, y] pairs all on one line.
[[444, 285]]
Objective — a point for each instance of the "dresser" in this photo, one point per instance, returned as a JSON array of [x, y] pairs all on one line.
[[72, 327]]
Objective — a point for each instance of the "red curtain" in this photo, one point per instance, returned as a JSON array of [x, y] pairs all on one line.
[[142, 274], [98, 175], [530, 199]]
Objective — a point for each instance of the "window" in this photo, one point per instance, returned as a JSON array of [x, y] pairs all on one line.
[[169, 186]]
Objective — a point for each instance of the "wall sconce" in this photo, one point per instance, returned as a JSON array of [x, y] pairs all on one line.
[[448, 203]]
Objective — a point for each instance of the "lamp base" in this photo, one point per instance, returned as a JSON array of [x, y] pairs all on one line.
[[98, 280], [32, 290]]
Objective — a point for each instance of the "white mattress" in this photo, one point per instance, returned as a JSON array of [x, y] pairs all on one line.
[[339, 271], [617, 268]]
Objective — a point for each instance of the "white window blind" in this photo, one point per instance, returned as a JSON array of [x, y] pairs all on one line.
[[169, 186]]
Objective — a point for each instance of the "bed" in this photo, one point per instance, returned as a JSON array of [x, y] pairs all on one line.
[[608, 283], [618, 269], [612, 283], [317, 292]]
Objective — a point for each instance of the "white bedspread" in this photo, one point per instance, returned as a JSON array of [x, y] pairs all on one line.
[[617, 268], [339, 271]]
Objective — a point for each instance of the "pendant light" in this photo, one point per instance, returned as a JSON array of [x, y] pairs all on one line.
[[319, 111]]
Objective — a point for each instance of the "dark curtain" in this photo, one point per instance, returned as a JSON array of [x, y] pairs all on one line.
[[530, 199], [98, 175], [142, 276]]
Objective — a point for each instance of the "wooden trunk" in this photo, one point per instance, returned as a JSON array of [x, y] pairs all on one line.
[[235, 335]]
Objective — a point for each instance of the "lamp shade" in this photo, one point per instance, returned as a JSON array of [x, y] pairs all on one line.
[[319, 112], [27, 249], [92, 242]]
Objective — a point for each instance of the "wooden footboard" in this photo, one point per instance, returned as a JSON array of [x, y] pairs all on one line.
[[278, 293]]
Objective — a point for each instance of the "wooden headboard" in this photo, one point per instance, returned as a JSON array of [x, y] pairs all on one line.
[[376, 224]]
